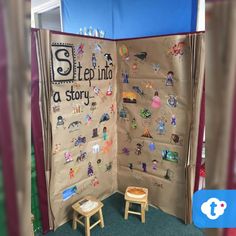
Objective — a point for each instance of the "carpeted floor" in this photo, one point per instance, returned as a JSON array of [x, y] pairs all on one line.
[[157, 223]]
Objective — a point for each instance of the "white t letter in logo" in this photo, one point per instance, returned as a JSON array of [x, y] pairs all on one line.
[[213, 208]]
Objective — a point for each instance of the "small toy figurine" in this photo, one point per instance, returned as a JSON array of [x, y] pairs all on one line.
[[95, 182], [104, 117], [169, 78], [72, 173], [152, 147], [96, 90], [154, 164], [88, 119], [134, 123], [68, 157], [60, 121], [144, 166], [138, 149], [104, 133], [93, 106], [82, 156], [173, 120], [108, 59], [161, 127], [172, 101], [90, 169], [130, 166], [156, 101], [99, 162], [125, 77], [94, 61], [109, 90], [125, 151], [138, 90], [96, 148], [109, 166], [145, 113]]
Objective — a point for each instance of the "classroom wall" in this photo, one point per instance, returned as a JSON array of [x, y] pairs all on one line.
[[127, 18]]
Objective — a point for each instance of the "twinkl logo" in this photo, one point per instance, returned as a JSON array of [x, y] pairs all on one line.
[[213, 208]]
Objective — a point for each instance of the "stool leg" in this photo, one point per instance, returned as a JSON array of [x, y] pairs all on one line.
[[147, 206], [101, 218], [143, 206], [87, 226], [126, 209], [74, 224]]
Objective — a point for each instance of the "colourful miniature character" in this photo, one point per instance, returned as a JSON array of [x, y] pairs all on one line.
[[68, 157], [172, 101], [88, 119], [90, 169], [173, 120], [161, 128], [144, 167], [125, 76], [109, 90], [104, 133], [169, 78], [156, 101], [130, 166], [96, 90], [152, 147], [138, 149], [134, 123], [94, 61], [72, 173], [125, 151], [154, 164]]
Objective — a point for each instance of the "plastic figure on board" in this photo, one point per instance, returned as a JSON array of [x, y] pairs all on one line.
[[125, 151], [68, 157], [72, 173], [144, 167], [95, 182], [107, 146], [109, 90], [96, 148], [152, 147], [109, 166], [172, 101], [156, 101], [154, 164], [104, 133], [138, 149], [60, 121], [88, 119], [112, 109], [134, 123], [173, 120], [80, 50], [169, 78], [94, 61], [161, 126], [125, 77], [130, 166], [97, 90], [90, 169], [82, 156], [108, 59]]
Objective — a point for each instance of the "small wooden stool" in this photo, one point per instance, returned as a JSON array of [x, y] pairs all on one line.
[[142, 201], [79, 214]]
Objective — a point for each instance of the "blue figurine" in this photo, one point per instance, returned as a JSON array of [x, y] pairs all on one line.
[[125, 77], [161, 128], [173, 120]]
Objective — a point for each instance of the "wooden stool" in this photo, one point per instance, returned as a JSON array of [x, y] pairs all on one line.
[[79, 214], [142, 201]]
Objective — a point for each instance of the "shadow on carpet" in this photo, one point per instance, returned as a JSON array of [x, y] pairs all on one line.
[[157, 223]]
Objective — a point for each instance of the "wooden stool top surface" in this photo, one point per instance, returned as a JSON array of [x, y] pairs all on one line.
[[134, 199], [77, 205]]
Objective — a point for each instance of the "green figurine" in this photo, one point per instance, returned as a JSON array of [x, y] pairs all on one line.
[[134, 123]]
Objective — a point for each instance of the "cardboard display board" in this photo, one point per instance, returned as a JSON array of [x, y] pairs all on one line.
[[131, 102], [83, 120]]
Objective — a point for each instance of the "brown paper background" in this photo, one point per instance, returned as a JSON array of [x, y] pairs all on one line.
[[169, 195], [60, 179]]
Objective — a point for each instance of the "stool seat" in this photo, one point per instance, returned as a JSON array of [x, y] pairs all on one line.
[[141, 199], [79, 214]]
